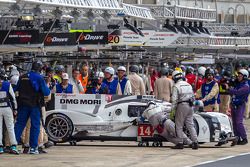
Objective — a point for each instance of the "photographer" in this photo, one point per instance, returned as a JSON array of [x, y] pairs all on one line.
[[224, 95], [239, 94], [96, 86]]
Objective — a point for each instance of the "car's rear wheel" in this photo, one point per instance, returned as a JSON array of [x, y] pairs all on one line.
[[59, 128]]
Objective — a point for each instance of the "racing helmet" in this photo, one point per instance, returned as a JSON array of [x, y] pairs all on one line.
[[121, 68], [177, 75], [198, 105], [201, 71], [37, 66], [134, 68], [150, 103], [110, 70], [244, 73], [164, 71], [209, 71]]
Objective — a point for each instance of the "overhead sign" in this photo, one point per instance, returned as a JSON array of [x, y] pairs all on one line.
[[128, 37], [58, 39], [150, 38], [19, 37], [162, 39], [92, 38]]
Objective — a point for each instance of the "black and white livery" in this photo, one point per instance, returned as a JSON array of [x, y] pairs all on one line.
[[76, 121]]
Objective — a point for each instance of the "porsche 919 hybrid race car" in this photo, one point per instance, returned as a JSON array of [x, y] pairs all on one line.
[[104, 117]]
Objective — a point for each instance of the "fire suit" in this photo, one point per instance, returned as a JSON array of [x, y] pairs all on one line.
[[182, 98], [7, 100], [162, 123], [31, 87], [239, 98]]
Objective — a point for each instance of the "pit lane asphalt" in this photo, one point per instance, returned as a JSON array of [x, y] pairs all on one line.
[[125, 154]]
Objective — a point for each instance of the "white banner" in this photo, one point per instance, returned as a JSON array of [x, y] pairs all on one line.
[[80, 102], [162, 39], [150, 38]]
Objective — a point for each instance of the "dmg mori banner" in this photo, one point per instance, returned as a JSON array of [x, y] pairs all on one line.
[[58, 39], [150, 38], [92, 38], [80, 102], [92, 103], [19, 37]]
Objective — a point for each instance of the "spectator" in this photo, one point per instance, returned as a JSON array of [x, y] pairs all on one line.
[[65, 86], [209, 92], [76, 82], [49, 78], [110, 81], [163, 86], [84, 77], [124, 87], [138, 87], [59, 71]]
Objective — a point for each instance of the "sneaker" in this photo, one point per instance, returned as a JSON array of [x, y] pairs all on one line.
[[26, 150], [13, 150], [7, 149], [41, 150], [178, 146], [1, 150], [34, 151], [48, 144], [243, 142], [195, 145]]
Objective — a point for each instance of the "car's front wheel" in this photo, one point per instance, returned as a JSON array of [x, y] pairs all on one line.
[[59, 128]]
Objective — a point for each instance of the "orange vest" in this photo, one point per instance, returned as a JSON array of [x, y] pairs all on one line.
[[84, 81]]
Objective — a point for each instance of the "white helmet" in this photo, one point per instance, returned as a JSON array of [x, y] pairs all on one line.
[[177, 75], [14, 79], [244, 73], [100, 74], [110, 70], [121, 68], [201, 70]]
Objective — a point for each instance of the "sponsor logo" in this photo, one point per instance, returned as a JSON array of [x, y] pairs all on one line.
[[80, 101], [56, 39], [91, 37]]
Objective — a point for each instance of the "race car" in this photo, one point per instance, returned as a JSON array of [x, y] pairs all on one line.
[[105, 117]]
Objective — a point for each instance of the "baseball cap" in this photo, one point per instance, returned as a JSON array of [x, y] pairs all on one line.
[[65, 76]]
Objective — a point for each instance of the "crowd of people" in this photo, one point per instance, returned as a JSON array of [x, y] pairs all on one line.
[[23, 98]]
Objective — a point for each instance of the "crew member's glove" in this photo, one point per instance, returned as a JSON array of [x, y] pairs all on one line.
[[134, 122]]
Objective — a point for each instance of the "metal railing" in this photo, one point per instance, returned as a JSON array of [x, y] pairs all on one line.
[[90, 4], [212, 41], [182, 12], [136, 11]]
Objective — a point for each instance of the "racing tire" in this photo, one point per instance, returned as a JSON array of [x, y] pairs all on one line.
[[59, 128]]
